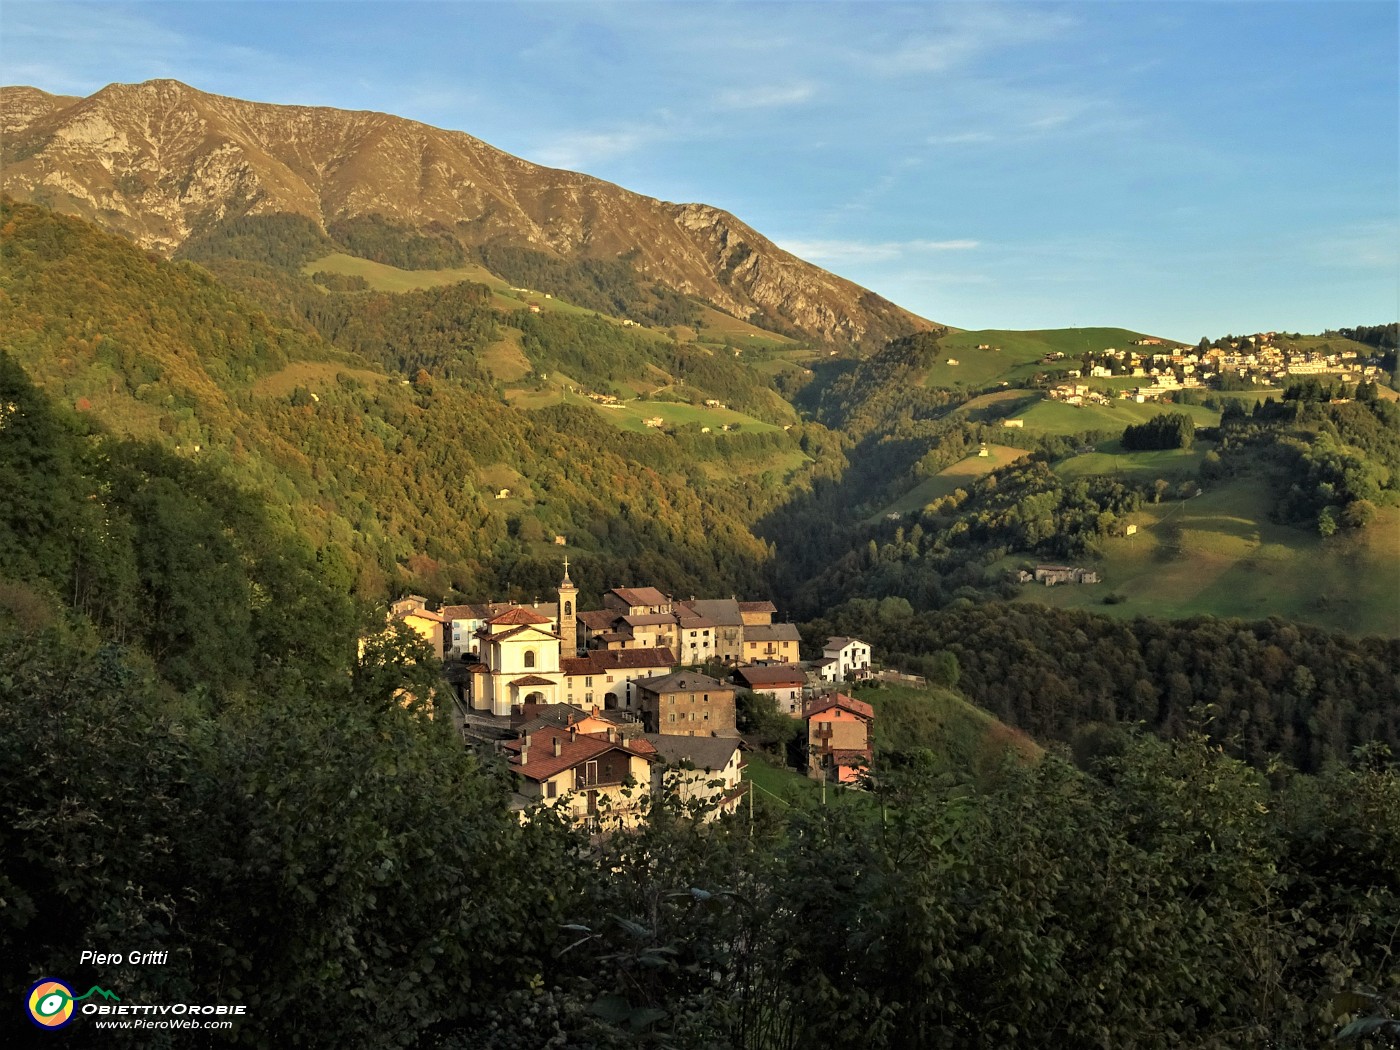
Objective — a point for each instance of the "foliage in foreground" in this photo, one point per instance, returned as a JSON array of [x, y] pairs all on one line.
[[346, 871]]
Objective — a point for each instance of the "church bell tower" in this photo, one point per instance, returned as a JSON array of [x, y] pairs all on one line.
[[568, 615]]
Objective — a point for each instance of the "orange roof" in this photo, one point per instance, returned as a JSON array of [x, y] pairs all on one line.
[[574, 750], [532, 679], [839, 700], [518, 615]]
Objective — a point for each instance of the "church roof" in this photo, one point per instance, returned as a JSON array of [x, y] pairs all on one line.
[[518, 615], [599, 661]]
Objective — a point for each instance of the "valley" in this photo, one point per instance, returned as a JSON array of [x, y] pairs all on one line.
[[483, 608]]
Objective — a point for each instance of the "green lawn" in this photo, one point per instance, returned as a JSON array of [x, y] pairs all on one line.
[[776, 784], [1219, 554]]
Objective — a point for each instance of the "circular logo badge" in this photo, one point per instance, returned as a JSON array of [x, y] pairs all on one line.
[[50, 1003]]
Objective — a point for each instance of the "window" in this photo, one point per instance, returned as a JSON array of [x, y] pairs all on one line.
[[550, 789], [707, 717], [529, 658], [707, 698], [568, 608], [588, 681], [671, 717]]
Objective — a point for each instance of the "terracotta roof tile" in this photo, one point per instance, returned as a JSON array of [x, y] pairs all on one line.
[[839, 700], [518, 615], [758, 607], [574, 749]]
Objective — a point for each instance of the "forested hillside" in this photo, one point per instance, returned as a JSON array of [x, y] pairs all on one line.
[[392, 478], [1262, 691]]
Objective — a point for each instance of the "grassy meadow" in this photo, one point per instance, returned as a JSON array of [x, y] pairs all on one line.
[[959, 475], [1056, 417], [1219, 554], [1019, 354]]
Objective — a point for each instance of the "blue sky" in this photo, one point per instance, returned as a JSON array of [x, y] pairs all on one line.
[[1184, 169]]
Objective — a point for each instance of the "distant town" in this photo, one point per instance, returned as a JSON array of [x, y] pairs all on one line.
[[1261, 360]]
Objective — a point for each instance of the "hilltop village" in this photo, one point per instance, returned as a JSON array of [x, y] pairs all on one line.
[[1263, 359], [587, 704]]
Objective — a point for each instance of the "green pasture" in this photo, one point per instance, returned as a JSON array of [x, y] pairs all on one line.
[[385, 278], [946, 481], [964, 738], [629, 415], [1019, 354], [505, 359], [1057, 417], [1219, 554], [1109, 458], [775, 784], [716, 325]]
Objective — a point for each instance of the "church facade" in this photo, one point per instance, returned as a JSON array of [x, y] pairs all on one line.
[[518, 655]]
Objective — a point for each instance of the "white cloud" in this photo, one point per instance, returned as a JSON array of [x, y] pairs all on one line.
[[580, 150], [1366, 246], [971, 31], [871, 251], [769, 97]]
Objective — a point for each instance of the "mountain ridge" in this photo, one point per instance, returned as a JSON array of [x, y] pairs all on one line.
[[161, 161]]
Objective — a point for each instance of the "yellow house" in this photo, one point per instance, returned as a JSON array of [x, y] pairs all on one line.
[[770, 642]]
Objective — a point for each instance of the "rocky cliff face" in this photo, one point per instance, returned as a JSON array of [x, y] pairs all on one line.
[[158, 161]]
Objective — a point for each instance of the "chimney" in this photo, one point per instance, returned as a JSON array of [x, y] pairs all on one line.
[[612, 735], [557, 747], [525, 749], [573, 732]]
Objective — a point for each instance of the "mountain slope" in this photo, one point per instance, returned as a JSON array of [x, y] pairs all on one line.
[[160, 161], [393, 481]]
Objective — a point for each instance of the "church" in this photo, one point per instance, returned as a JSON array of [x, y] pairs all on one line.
[[518, 655]]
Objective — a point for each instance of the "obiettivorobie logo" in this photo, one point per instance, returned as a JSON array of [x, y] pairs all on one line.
[[51, 1002]]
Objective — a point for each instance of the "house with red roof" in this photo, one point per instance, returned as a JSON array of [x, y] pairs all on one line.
[[601, 779], [840, 741], [605, 677]]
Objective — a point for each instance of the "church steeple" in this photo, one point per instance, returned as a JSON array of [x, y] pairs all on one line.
[[568, 613]]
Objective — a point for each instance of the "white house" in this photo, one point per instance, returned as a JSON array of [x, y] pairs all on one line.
[[705, 772], [852, 658]]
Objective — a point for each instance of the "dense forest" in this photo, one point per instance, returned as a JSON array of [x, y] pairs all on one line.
[[1264, 691]]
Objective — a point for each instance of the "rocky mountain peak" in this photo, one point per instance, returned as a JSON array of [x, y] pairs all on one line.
[[158, 161]]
